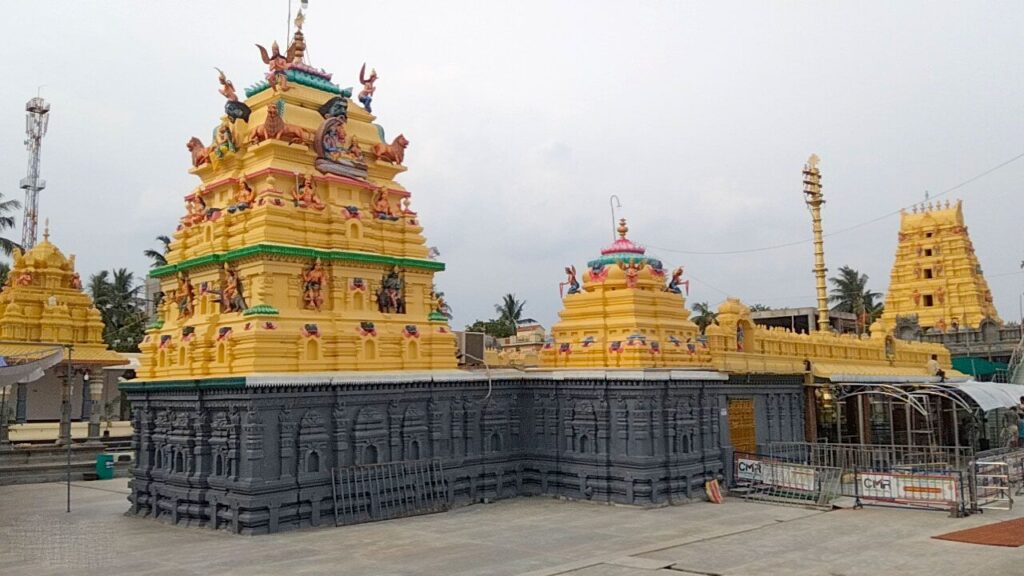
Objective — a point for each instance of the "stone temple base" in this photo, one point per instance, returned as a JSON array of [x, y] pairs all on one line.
[[255, 455]]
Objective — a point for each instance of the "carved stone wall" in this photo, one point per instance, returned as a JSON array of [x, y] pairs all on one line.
[[257, 458]]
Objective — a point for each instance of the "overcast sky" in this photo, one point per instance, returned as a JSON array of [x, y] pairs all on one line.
[[524, 117]]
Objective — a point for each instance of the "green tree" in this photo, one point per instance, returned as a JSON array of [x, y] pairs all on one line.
[[510, 310], [159, 257], [117, 297], [495, 328], [704, 316], [850, 293], [7, 222], [759, 308], [5, 270]]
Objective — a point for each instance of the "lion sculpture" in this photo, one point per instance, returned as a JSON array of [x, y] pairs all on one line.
[[275, 127], [200, 154], [394, 152]]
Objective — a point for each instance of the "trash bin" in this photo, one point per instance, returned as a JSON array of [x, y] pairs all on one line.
[[105, 466]]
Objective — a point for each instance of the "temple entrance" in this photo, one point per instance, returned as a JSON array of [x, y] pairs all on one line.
[[742, 425]]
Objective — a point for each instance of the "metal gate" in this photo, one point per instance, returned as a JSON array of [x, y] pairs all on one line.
[[391, 490]]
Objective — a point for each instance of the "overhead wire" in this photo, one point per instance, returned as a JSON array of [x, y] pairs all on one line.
[[960, 185]]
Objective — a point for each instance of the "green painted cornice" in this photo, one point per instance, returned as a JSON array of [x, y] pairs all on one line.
[[298, 251], [182, 385]]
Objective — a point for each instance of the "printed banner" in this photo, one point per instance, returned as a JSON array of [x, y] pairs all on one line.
[[909, 488], [775, 473]]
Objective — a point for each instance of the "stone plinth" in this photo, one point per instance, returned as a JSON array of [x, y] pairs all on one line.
[[255, 455]]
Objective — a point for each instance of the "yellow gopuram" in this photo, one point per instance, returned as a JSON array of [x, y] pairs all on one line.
[[624, 315], [936, 275], [298, 252], [42, 304]]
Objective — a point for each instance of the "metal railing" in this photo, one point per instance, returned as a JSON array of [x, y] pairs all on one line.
[[881, 457], [384, 491]]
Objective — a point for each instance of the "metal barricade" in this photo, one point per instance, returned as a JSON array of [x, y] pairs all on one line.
[[937, 490], [774, 480], [391, 490]]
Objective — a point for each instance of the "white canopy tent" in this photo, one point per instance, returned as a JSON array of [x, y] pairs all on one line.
[[991, 395]]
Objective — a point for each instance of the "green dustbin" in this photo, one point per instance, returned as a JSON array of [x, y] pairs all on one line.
[[105, 466]]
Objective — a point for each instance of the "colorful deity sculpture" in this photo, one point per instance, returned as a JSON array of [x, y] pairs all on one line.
[[232, 297], [24, 279], [366, 94], [312, 285], [632, 270], [305, 195], [570, 281], [223, 143], [195, 211], [677, 281], [389, 296], [381, 204], [279, 64], [76, 282], [233, 108], [185, 295], [244, 197]]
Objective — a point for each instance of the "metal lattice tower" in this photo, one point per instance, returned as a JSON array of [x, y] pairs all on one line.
[[36, 120]]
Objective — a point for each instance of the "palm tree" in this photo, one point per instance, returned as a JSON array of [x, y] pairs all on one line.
[[159, 258], [5, 270], [6, 223], [850, 293], [510, 310], [704, 316], [117, 297]]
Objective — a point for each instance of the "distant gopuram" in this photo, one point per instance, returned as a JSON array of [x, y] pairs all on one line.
[[936, 276]]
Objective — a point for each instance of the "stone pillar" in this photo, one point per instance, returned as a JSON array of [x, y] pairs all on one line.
[[95, 395], [21, 410]]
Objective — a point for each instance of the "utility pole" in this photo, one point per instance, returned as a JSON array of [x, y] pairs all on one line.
[[814, 200], [36, 120]]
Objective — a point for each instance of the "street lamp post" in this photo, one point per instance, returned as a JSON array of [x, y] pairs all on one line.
[[4, 432]]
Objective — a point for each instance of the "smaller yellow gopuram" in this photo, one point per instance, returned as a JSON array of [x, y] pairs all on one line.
[[625, 315], [936, 275], [42, 303]]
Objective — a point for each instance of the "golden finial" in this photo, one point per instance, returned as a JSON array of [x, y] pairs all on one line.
[[46, 230], [300, 18], [623, 228]]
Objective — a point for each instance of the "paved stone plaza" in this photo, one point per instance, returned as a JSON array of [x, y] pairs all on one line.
[[535, 536]]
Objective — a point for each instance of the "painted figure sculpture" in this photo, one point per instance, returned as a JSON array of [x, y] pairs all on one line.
[[366, 94]]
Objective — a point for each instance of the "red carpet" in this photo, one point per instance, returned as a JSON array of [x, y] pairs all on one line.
[[1009, 533]]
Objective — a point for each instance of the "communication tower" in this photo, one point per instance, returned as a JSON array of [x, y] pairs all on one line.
[[36, 119]]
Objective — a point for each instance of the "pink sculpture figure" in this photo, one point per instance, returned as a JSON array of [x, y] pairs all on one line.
[[279, 65], [632, 271], [305, 195]]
